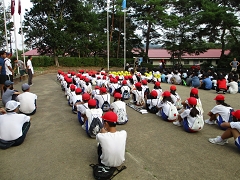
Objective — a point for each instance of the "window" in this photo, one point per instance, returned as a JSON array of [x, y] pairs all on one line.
[[186, 61]]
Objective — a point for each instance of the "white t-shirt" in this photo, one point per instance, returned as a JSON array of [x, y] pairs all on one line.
[[169, 76], [175, 98], [114, 87], [101, 98], [82, 108], [88, 88], [159, 92], [223, 111], [190, 119], [11, 125], [27, 102], [76, 98], [235, 125], [123, 88], [177, 78], [139, 95], [29, 65], [90, 113], [113, 147], [7, 64], [118, 105], [95, 92], [165, 106], [233, 87], [152, 102]]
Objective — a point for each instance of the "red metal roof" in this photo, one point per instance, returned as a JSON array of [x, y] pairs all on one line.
[[164, 54], [32, 52]]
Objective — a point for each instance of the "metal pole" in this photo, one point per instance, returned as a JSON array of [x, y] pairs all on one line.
[[15, 35], [24, 59], [124, 39], [5, 25], [108, 4]]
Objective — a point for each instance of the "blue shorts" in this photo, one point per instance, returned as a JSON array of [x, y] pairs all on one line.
[[164, 116], [220, 121], [186, 127], [79, 115], [237, 142]]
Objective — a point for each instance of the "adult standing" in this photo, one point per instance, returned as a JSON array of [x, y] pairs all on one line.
[[234, 64], [8, 67], [22, 68], [2, 70], [30, 70]]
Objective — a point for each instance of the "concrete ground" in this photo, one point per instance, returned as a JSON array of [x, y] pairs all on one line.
[[56, 147]]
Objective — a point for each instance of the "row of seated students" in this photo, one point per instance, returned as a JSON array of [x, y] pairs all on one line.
[[189, 112]]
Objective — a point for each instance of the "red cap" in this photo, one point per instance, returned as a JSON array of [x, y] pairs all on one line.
[[173, 88], [117, 95], [192, 101], [138, 84], [124, 82], [78, 90], [85, 96], [97, 87], [87, 80], [98, 77], [236, 114], [110, 116], [154, 93], [157, 83], [129, 77], [92, 102], [117, 77], [104, 77], [144, 82], [166, 94], [194, 91], [219, 97], [72, 87], [103, 89], [115, 80], [126, 77]]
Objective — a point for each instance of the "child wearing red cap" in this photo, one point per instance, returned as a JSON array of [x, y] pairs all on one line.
[[138, 95], [103, 97], [77, 98], [119, 107], [81, 109], [194, 93], [112, 143], [220, 113], [157, 87], [93, 118], [175, 97], [189, 117], [95, 91], [87, 86], [232, 130], [164, 106], [145, 88], [152, 102], [125, 90]]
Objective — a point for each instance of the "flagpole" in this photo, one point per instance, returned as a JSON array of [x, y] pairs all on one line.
[[108, 4], [20, 14], [15, 35], [5, 25], [124, 39]]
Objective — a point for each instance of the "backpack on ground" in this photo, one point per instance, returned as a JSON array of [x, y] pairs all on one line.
[[95, 126], [126, 95], [198, 123], [122, 117], [101, 172], [105, 106], [173, 112]]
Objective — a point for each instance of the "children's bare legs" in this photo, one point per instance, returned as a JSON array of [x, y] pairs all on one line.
[[230, 133]]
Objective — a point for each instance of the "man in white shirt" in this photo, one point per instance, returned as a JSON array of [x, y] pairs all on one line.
[[30, 70], [8, 67], [13, 126], [27, 100], [112, 143]]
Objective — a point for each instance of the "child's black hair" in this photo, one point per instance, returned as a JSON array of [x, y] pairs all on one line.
[[222, 102], [194, 112]]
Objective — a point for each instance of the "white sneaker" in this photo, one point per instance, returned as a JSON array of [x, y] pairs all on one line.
[[159, 114], [207, 121], [218, 140], [177, 123], [84, 127]]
